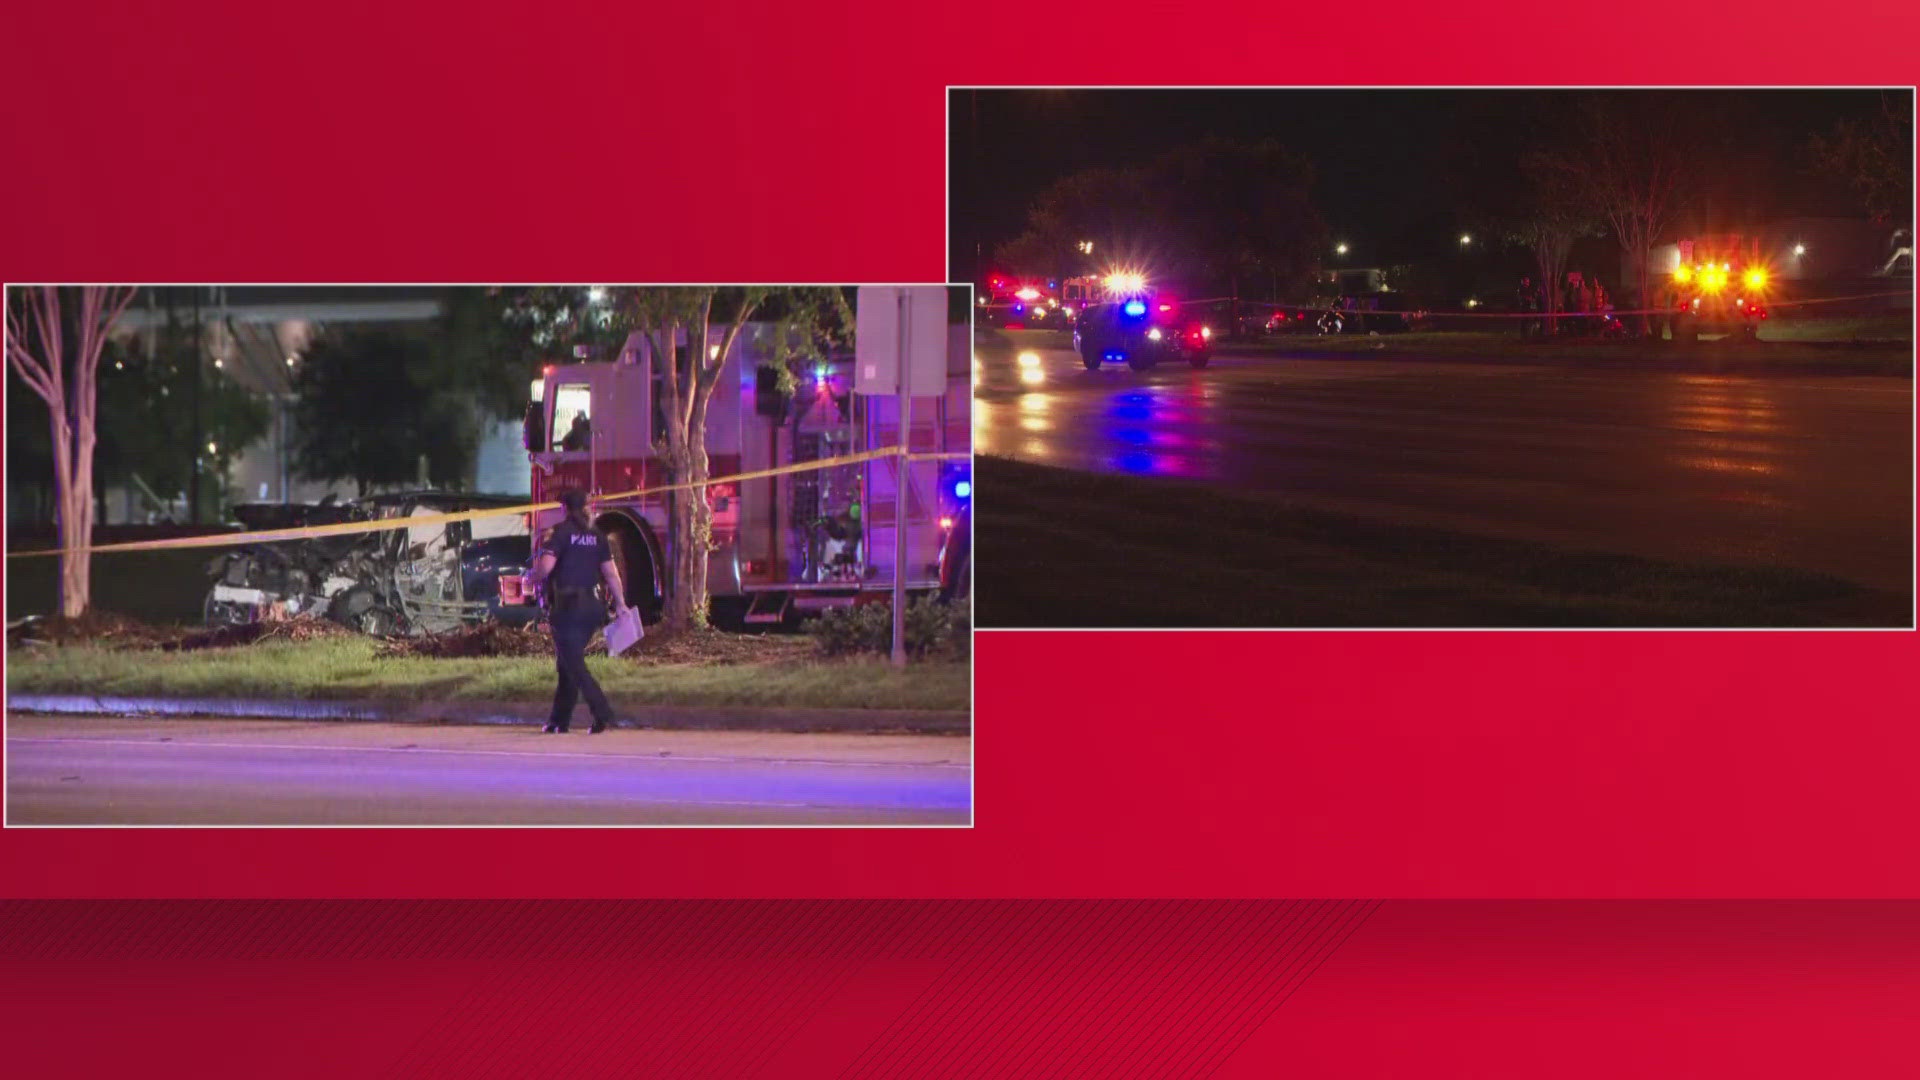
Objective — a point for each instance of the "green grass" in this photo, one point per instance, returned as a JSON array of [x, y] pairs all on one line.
[[1843, 329], [1057, 548], [346, 669]]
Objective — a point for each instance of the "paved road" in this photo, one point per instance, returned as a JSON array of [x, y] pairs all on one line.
[[1812, 473], [75, 770]]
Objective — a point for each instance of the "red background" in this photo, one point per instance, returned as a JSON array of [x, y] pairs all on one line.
[[573, 141]]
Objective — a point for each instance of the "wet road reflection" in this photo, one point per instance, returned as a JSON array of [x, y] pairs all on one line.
[[1803, 471]]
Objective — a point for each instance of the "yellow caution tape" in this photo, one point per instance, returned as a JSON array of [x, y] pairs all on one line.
[[349, 528]]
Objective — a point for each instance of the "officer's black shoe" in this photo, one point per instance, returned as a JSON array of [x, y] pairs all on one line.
[[553, 728], [598, 727]]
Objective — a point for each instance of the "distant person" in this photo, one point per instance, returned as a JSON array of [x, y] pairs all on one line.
[[1526, 301], [579, 436], [1578, 301], [576, 556]]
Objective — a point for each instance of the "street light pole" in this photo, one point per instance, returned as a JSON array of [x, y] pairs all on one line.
[[900, 490]]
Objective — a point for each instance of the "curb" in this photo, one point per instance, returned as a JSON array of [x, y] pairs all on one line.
[[653, 717]]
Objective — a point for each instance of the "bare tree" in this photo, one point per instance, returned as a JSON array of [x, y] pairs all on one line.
[[1630, 160], [54, 339]]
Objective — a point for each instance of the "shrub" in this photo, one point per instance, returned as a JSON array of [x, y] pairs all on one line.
[[869, 628]]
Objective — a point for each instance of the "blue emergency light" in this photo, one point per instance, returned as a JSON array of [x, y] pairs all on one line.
[[1135, 308], [956, 481]]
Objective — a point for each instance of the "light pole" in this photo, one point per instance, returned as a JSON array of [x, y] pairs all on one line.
[[905, 407]]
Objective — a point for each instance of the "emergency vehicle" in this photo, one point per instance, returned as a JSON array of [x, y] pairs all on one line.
[[1720, 285], [781, 546], [1022, 303], [1133, 324]]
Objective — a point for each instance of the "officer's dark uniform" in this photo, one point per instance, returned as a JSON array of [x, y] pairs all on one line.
[[575, 613]]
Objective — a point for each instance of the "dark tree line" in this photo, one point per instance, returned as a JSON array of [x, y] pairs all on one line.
[[1237, 217], [1539, 173]]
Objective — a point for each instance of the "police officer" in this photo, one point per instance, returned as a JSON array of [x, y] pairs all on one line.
[[576, 556]]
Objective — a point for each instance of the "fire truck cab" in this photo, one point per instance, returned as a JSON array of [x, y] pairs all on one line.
[[1719, 286], [783, 545]]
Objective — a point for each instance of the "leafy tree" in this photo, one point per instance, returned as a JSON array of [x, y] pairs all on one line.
[[799, 323], [484, 348], [1216, 214], [367, 408], [1874, 158], [53, 342], [1241, 211], [1113, 209], [1549, 215], [147, 424]]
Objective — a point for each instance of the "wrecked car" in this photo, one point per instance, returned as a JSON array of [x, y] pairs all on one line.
[[415, 580]]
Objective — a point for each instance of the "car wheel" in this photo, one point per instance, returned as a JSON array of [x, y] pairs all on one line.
[[634, 560], [1140, 360], [1090, 357], [1199, 360]]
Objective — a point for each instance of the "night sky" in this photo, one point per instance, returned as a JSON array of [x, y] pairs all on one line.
[[1391, 164]]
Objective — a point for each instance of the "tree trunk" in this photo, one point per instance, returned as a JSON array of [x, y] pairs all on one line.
[[680, 538], [71, 518], [699, 510], [1645, 296]]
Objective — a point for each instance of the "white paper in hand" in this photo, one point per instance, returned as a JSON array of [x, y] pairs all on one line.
[[623, 631]]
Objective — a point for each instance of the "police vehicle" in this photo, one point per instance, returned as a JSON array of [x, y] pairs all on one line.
[[1140, 330]]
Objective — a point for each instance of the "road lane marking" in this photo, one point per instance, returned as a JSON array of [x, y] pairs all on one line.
[[498, 753]]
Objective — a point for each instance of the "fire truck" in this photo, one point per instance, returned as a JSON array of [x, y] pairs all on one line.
[[1720, 285], [781, 546], [1021, 303]]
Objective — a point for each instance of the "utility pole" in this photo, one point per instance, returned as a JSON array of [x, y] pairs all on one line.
[[193, 444], [900, 491]]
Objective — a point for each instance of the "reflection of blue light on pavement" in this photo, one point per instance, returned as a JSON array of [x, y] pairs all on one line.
[[1135, 461], [1132, 437], [1133, 412]]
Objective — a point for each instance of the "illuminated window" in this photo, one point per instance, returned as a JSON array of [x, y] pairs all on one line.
[[572, 404]]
